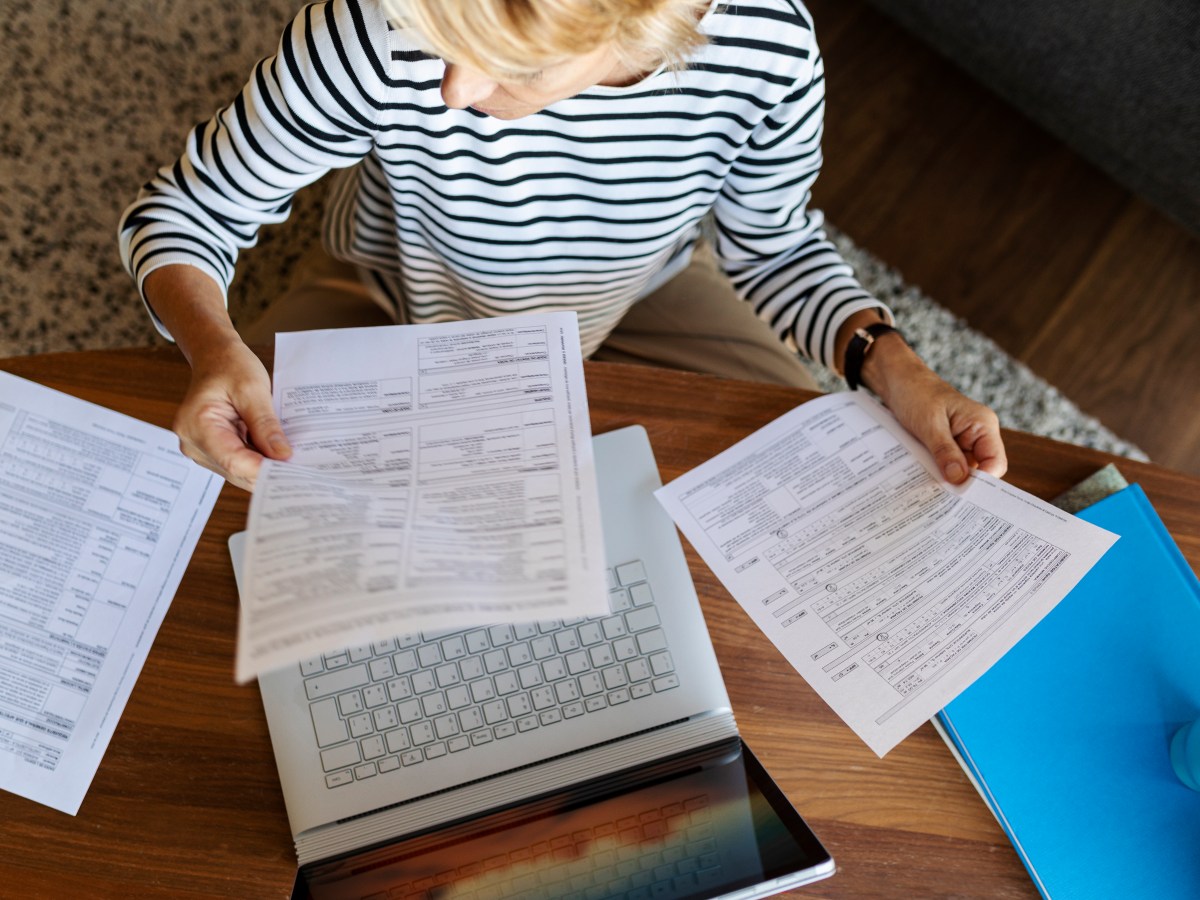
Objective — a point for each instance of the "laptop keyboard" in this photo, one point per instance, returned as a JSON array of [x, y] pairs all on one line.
[[413, 699]]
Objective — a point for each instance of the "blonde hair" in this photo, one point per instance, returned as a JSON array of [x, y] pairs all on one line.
[[508, 39]]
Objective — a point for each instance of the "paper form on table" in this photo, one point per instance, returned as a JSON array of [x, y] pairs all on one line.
[[888, 589], [99, 515]]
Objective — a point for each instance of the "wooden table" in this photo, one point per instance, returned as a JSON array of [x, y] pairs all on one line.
[[186, 803]]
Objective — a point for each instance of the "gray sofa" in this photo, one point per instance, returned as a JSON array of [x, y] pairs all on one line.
[[1118, 80]]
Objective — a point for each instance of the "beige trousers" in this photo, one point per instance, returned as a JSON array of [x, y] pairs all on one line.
[[694, 322]]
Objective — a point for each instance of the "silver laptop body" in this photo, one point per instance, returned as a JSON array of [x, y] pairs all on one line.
[[416, 732]]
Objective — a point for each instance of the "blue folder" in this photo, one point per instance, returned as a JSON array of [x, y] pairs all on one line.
[[1067, 736]]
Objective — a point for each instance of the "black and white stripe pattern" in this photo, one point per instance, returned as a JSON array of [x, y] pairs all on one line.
[[587, 205]]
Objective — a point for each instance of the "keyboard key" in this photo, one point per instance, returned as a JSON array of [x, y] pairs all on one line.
[[571, 710], [462, 742], [566, 641], [614, 677], [590, 633], [477, 641], [549, 626], [630, 572], [337, 660], [625, 648], [423, 682], [525, 630], [611, 578], [446, 726], [470, 719], [381, 669], [372, 747], [422, 733], [506, 683], [590, 684], [374, 695], [550, 716], [543, 647], [614, 627], [312, 666], [601, 655], [578, 662], [386, 718], [447, 675], [595, 703], [328, 725], [482, 690], [429, 655], [494, 712], [481, 737], [638, 691], [661, 663], [412, 757], [666, 682], [384, 647], [350, 703], [618, 601], [543, 698], [505, 729], [458, 697], [554, 669], [340, 757], [409, 710], [397, 740], [642, 618], [388, 764], [651, 641], [519, 705], [335, 682], [471, 668], [638, 669], [337, 779], [618, 697], [495, 661], [641, 595], [434, 704], [566, 691], [454, 648], [359, 652], [531, 676], [360, 725], [500, 635], [399, 689], [527, 723], [405, 661], [404, 641], [519, 655]]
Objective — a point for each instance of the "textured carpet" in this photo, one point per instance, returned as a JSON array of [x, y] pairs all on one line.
[[96, 96]]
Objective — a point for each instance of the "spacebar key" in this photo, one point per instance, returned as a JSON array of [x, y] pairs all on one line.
[[336, 681]]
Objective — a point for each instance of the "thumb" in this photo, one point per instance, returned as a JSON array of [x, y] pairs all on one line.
[[265, 430], [949, 457]]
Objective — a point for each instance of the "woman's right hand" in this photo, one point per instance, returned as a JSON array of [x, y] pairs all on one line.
[[226, 421]]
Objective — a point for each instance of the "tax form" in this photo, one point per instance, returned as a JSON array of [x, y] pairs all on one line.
[[442, 476], [888, 589], [99, 515]]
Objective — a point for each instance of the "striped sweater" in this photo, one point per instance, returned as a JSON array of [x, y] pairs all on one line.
[[588, 205]]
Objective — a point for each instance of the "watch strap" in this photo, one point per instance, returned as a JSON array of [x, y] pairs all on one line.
[[858, 348]]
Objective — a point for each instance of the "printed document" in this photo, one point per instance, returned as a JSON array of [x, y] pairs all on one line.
[[442, 476], [888, 589], [99, 515]]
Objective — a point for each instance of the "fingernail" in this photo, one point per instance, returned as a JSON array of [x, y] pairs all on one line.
[[279, 444], [954, 472]]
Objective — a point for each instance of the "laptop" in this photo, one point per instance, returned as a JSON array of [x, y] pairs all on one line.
[[577, 758]]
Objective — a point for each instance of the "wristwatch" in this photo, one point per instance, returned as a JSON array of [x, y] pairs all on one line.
[[858, 348]]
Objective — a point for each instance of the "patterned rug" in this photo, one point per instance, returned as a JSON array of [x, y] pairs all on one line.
[[97, 96]]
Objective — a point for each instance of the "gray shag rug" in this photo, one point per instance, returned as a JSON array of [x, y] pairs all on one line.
[[96, 96]]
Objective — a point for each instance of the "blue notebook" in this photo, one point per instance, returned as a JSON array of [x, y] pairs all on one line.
[[1067, 735]]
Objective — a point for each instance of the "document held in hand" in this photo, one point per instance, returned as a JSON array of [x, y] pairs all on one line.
[[888, 589], [441, 477]]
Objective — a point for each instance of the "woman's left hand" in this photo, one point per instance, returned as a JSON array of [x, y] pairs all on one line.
[[960, 433]]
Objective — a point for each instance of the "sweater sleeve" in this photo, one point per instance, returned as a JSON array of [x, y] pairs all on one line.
[[309, 108], [768, 241]]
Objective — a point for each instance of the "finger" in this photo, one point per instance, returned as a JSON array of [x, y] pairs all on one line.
[[266, 433], [221, 449], [989, 453]]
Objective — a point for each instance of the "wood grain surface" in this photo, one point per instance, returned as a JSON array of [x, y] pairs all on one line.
[[186, 803]]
